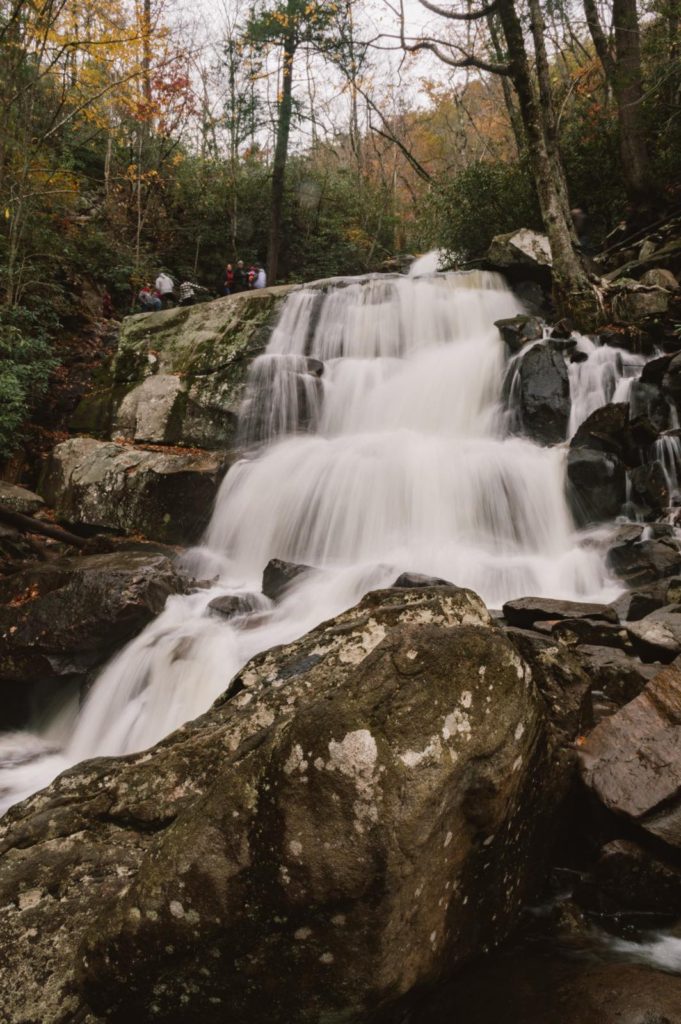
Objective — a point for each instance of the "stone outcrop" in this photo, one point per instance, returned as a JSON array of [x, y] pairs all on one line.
[[366, 809], [59, 620], [177, 376], [632, 760], [167, 495], [523, 248]]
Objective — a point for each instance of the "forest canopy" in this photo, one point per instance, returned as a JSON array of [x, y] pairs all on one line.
[[319, 138]]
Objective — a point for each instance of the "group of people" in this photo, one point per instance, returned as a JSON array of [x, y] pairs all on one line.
[[164, 293], [240, 279]]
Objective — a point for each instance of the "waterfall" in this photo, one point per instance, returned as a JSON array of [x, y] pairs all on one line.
[[374, 444]]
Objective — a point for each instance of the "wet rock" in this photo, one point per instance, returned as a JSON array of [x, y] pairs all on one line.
[[645, 561], [649, 411], [166, 495], [234, 604], [277, 576], [315, 367], [416, 579], [542, 393], [654, 371], [525, 611], [632, 760], [657, 636], [606, 430], [671, 381], [619, 677], [650, 487], [352, 819], [517, 331], [597, 482], [61, 619], [630, 879], [534, 298], [19, 499]]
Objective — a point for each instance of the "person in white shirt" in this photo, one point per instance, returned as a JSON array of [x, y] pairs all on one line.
[[260, 278], [165, 286]]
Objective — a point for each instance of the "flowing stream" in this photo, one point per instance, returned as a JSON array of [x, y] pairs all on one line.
[[374, 444]]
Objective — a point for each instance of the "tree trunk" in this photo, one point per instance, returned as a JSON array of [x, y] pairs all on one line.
[[623, 74], [280, 155], [573, 293], [628, 89]]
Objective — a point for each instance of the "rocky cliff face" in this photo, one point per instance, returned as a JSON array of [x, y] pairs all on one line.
[[174, 387]]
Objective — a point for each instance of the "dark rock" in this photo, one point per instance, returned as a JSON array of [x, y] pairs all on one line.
[[533, 987], [61, 619], [561, 680], [646, 561], [542, 392], [632, 304], [277, 576], [590, 631], [618, 676], [657, 636], [648, 409], [517, 331], [533, 297], [351, 825], [650, 487], [230, 605], [606, 430], [654, 371], [632, 760], [315, 367], [525, 611], [671, 382], [629, 879], [416, 579], [597, 482]]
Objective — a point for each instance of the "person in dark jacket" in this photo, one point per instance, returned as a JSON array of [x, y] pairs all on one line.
[[240, 277]]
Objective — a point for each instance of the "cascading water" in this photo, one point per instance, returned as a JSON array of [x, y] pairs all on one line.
[[394, 460]]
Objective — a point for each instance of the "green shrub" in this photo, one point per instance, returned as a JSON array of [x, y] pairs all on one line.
[[486, 199], [26, 362]]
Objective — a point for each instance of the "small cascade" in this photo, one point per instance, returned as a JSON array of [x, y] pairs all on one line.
[[599, 374], [667, 451], [283, 396], [394, 459]]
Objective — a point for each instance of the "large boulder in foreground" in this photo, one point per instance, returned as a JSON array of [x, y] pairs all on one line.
[[365, 811], [632, 760], [166, 495], [178, 375], [61, 619]]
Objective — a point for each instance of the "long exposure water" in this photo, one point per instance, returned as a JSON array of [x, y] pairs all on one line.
[[375, 445]]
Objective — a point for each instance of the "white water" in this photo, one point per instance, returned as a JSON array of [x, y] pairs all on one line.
[[396, 462]]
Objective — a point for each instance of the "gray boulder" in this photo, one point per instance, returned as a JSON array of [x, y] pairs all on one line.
[[367, 811], [14, 498], [166, 495], [631, 304], [522, 248], [517, 331], [646, 561]]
